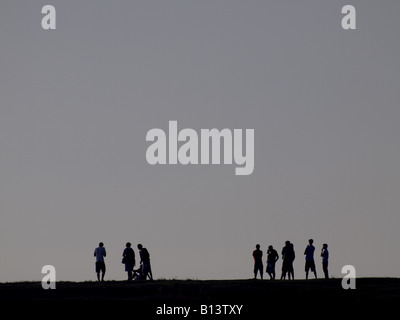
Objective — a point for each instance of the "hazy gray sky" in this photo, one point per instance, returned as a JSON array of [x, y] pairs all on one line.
[[76, 104]]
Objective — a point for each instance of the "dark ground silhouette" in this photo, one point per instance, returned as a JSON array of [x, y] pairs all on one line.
[[258, 297]]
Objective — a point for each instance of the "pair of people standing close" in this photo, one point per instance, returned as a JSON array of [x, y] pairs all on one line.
[[310, 264], [128, 259], [272, 257], [288, 257]]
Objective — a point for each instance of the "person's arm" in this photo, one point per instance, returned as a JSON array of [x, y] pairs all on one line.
[[276, 257], [95, 250], [105, 253]]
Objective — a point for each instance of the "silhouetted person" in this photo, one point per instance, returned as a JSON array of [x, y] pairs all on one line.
[[309, 253], [288, 257], [100, 253], [325, 258], [258, 265], [129, 259], [292, 257], [272, 258], [145, 262]]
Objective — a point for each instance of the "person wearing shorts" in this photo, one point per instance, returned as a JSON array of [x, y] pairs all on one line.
[[100, 253], [258, 265], [309, 253], [272, 258]]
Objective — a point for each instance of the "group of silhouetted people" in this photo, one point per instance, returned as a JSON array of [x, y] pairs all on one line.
[[128, 259], [288, 256]]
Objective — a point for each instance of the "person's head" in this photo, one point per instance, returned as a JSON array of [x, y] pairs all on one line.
[[287, 242], [324, 246], [257, 246], [270, 247], [101, 244], [311, 241], [139, 246], [128, 244]]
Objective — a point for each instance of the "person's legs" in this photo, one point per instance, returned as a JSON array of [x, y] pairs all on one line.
[[145, 270], [269, 270], [284, 270], [291, 271], [103, 266], [314, 269], [325, 268], [310, 265], [150, 274], [273, 270], [97, 269], [306, 269]]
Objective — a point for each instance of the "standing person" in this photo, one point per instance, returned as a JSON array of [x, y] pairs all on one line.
[[129, 260], [325, 258], [258, 265], [288, 257], [100, 253], [309, 253], [291, 259], [272, 258], [145, 262]]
